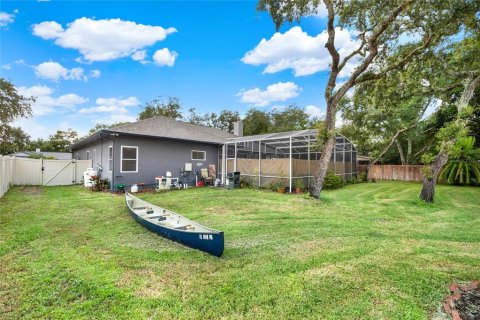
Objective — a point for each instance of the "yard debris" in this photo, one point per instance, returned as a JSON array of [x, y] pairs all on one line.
[[464, 301]]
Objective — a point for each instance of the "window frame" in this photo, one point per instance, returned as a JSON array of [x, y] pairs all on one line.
[[204, 155], [121, 159]]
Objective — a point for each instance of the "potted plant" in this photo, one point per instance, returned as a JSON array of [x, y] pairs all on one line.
[[281, 182], [299, 185]]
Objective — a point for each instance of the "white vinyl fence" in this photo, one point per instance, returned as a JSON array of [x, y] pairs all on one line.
[[6, 173], [21, 171]]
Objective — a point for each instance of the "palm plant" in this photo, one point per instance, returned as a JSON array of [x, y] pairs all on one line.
[[463, 166]]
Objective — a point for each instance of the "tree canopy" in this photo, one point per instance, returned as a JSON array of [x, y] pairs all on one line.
[[380, 27], [158, 107], [12, 107]]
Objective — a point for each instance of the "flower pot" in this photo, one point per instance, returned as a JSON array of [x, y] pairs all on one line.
[[281, 190]]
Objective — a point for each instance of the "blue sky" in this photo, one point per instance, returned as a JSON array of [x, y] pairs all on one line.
[[98, 62]]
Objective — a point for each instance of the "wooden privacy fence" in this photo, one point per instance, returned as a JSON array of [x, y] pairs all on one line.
[[394, 172], [21, 171]]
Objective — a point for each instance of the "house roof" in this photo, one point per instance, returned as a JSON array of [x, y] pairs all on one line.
[[163, 127], [56, 155]]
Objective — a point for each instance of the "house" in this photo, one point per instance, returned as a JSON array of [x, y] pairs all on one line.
[[45, 154], [138, 152]]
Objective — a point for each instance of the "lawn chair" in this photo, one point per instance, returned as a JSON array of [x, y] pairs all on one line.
[[208, 180]]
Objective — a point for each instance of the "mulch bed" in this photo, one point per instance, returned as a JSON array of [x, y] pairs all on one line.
[[464, 302]]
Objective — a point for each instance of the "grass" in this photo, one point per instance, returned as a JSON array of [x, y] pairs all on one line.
[[368, 251]]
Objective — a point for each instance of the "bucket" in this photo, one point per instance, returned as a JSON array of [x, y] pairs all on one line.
[[134, 189]]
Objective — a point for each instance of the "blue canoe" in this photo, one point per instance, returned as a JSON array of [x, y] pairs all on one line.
[[176, 227]]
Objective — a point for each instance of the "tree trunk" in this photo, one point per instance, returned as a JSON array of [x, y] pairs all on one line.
[[323, 166], [400, 151], [430, 176], [326, 152], [409, 150]]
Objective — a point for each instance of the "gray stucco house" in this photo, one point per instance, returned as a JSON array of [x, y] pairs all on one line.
[[138, 152]]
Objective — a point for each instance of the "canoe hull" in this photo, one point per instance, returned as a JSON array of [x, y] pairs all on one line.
[[210, 242]]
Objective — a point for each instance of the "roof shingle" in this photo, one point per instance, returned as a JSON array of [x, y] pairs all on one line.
[[164, 127]]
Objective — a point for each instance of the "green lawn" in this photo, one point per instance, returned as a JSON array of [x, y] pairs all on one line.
[[368, 251]]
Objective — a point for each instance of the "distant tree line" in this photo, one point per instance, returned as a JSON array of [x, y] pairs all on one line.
[[255, 121], [14, 106]]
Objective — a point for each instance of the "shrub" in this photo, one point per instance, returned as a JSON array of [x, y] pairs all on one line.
[[463, 166], [299, 183], [363, 177], [248, 182], [332, 181], [99, 184]]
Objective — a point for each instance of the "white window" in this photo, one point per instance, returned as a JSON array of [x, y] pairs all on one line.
[[88, 155], [129, 159], [199, 155], [110, 158]]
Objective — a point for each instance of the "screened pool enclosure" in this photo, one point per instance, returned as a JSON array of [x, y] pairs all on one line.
[[285, 156]]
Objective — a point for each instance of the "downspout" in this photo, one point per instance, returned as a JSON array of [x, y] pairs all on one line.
[[113, 153]]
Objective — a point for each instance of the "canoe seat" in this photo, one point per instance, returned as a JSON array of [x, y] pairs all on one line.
[[157, 217], [187, 227], [138, 208]]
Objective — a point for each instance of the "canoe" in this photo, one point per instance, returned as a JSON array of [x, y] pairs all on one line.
[[175, 227]]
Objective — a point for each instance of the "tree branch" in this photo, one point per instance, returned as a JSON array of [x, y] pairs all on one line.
[[399, 64], [330, 45], [373, 51]]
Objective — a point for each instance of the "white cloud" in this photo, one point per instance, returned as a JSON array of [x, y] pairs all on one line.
[[48, 30], [95, 74], [140, 55], [110, 110], [314, 112], [128, 102], [6, 66], [7, 18], [102, 40], [165, 57], [280, 91], [33, 128], [45, 103], [55, 71], [321, 11], [114, 117], [51, 70], [302, 53]]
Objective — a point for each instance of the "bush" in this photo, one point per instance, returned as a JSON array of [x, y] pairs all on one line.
[[363, 177], [299, 183], [248, 182], [352, 180], [99, 184], [332, 181]]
